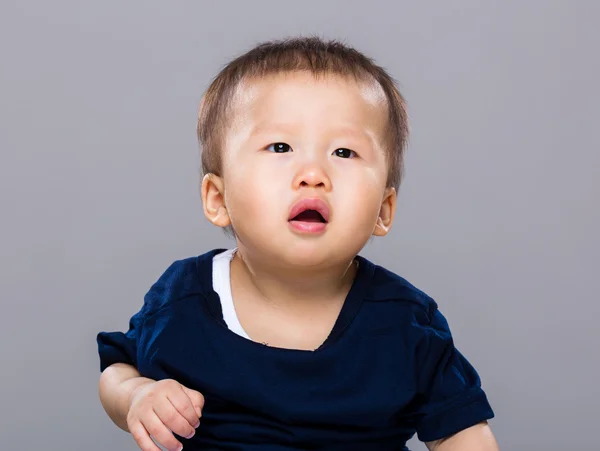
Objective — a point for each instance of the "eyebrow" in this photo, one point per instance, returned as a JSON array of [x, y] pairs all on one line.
[[289, 129], [271, 128]]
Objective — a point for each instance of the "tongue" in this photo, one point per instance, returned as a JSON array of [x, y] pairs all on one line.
[[309, 216]]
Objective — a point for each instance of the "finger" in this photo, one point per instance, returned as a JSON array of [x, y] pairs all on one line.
[[171, 418], [186, 413], [142, 438], [160, 432], [196, 398]]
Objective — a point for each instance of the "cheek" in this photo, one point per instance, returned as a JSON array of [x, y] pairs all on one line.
[[361, 196], [253, 193]]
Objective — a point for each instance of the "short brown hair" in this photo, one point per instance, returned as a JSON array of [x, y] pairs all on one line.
[[310, 54]]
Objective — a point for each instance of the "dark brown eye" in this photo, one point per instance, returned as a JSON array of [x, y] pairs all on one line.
[[279, 148], [344, 153]]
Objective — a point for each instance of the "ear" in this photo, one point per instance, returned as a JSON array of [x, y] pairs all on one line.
[[386, 213], [213, 200]]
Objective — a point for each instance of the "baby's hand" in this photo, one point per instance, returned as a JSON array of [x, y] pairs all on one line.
[[160, 407]]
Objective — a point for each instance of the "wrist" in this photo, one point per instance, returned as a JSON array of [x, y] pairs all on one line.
[[130, 388]]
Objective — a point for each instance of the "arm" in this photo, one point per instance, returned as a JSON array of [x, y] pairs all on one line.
[[117, 383], [454, 410], [475, 438]]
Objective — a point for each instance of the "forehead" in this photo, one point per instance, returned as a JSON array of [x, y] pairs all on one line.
[[303, 98]]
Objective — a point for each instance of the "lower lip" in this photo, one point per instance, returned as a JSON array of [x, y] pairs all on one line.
[[308, 227]]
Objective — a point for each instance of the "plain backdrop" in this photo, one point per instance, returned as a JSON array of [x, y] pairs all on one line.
[[498, 217]]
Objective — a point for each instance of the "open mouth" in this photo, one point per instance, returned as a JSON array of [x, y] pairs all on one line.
[[309, 216]]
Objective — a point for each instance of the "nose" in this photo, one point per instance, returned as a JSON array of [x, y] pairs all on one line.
[[312, 176]]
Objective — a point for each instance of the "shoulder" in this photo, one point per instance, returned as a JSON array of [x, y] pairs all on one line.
[[389, 287], [397, 306], [182, 279]]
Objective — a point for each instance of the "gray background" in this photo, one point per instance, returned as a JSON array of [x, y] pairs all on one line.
[[498, 216]]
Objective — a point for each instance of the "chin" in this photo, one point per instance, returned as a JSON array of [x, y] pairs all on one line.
[[306, 258], [314, 254], [296, 250]]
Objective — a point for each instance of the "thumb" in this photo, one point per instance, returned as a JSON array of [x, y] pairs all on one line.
[[196, 398]]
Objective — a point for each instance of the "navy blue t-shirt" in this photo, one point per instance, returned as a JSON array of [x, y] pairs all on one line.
[[389, 368]]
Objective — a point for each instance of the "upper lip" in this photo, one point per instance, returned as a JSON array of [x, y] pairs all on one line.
[[313, 203]]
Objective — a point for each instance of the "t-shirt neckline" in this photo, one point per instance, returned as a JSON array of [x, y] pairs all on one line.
[[352, 303]]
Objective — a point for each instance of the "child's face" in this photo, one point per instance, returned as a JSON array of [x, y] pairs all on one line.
[[287, 143]]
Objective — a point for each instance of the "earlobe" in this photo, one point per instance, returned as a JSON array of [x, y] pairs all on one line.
[[386, 213], [213, 200]]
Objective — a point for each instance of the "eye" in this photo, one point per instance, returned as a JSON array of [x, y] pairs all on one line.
[[344, 153], [279, 148]]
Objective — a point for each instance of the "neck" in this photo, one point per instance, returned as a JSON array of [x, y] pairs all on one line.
[[293, 287]]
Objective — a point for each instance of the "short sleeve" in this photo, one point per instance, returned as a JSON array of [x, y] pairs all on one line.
[[178, 281], [450, 395], [119, 347]]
